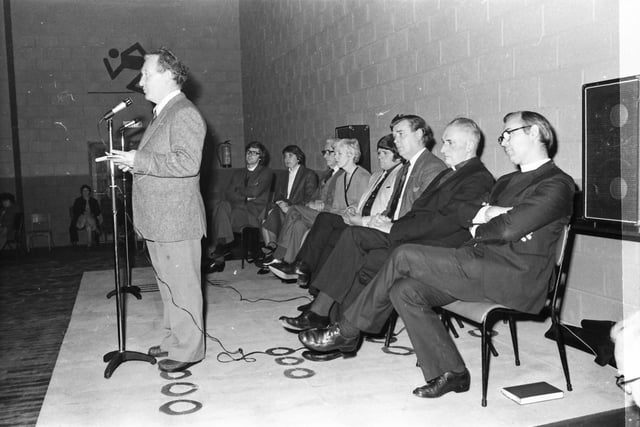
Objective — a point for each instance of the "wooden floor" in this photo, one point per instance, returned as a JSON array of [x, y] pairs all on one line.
[[37, 291]]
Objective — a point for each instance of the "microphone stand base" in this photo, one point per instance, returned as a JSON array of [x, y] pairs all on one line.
[[117, 357]]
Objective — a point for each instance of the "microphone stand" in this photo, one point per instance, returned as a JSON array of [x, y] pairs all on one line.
[[117, 357], [128, 287]]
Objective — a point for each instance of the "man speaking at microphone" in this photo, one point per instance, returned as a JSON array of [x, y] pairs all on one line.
[[167, 206]]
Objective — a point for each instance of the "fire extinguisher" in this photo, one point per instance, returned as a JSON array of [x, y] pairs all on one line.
[[224, 154]]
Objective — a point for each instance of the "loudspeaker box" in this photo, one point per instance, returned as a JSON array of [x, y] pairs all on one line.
[[610, 152], [361, 133]]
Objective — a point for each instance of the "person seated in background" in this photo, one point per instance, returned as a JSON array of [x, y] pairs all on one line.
[[508, 260], [432, 220], [8, 213], [328, 226], [86, 215], [348, 189], [297, 188], [626, 336], [244, 204]]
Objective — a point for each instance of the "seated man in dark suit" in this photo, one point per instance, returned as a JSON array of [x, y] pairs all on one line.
[[433, 219], [508, 261], [246, 198]]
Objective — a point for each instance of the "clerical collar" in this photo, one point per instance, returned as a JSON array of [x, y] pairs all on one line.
[[461, 164], [160, 105], [533, 165]]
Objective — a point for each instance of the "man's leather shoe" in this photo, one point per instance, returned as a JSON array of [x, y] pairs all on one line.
[[449, 381], [215, 266], [284, 271], [307, 320], [156, 351], [169, 365], [329, 339]]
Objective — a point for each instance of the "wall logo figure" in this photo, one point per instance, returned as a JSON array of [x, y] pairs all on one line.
[[131, 58]]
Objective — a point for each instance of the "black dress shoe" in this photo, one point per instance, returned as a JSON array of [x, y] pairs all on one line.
[[266, 261], [215, 266], [169, 365], [329, 339], [156, 351], [284, 270], [307, 320], [449, 381]]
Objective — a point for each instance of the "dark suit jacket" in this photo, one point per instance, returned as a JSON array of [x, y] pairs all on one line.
[[515, 272], [303, 189], [167, 204], [427, 167], [434, 218], [254, 184]]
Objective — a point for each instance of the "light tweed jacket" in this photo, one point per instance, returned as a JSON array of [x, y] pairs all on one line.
[[167, 204]]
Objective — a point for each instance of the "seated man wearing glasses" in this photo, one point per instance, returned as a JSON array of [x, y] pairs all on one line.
[[508, 260], [245, 201]]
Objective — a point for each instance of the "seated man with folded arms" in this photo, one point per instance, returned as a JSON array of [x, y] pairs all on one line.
[[347, 190], [509, 260], [433, 219], [328, 225], [246, 198], [297, 187]]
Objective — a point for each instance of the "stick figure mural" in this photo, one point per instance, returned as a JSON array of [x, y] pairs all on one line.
[[131, 58]]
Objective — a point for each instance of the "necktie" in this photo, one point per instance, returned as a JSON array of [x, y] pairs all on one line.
[[366, 209], [398, 191], [328, 176]]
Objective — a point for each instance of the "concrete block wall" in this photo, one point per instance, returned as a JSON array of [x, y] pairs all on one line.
[[311, 66], [63, 87]]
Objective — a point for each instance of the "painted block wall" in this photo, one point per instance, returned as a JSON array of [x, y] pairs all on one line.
[[63, 87], [311, 66]]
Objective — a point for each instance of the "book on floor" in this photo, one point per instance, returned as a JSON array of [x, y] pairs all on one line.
[[532, 393]]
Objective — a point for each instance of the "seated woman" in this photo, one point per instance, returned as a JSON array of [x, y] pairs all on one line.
[[348, 189], [328, 226], [296, 188], [86, 215], [245, 201]]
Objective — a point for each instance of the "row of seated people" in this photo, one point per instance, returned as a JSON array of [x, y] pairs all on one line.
[[449, 232]]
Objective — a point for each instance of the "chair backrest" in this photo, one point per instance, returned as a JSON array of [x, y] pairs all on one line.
[[563, 259], [40, 222]]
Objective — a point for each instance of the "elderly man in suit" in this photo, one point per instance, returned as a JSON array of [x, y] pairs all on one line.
[[167, 206], [432, 220], [508, 261]]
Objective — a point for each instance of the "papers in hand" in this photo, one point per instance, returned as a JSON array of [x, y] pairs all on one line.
[[532, 393], [105, 158]]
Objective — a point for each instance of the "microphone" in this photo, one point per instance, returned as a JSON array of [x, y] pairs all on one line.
[[115, 110], [131, 124]]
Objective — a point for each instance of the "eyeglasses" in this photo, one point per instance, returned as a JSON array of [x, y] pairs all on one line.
[[325, 152], [253, 153], [621, 382], [506, 135]]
